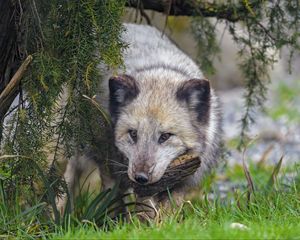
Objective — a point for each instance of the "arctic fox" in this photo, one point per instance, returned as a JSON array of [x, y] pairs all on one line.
[[161, 107]]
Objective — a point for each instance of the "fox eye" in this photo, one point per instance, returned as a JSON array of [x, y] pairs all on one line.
[[133, 134], [164, 137]]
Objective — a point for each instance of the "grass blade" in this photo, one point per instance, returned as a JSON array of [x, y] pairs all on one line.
[[250, 184], [88, 215], [107, 202], [273, 178], [49, 193], [26, 212]]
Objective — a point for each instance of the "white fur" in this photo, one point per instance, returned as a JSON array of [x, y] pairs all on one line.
[[159, 69]]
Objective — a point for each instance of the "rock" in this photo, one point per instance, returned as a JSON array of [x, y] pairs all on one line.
[[239, 226]]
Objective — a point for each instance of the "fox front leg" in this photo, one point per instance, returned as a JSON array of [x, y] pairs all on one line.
[[159, 206], [170, 202]]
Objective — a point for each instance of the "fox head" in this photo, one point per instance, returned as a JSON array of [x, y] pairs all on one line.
[[157, 119]]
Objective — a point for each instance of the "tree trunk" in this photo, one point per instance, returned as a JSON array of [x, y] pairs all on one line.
[[231, 12], [11, 13]]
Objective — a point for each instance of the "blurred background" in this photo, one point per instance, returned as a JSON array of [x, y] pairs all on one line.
[[276, 130]]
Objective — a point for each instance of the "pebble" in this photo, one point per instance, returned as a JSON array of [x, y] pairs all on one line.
[[239, 226]]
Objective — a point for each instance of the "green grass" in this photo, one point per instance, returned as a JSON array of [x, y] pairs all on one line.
[[271, 215], [193, 228], [273, 211]]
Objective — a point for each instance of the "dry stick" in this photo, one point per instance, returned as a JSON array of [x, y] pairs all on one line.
[[178, 170], [12, 156], [166, 19], [14, 82]]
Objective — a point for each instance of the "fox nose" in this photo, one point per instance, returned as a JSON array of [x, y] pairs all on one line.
[[141, 178]]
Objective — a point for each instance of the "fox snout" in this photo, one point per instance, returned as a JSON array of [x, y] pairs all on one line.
[[141, 178], [141, 173]]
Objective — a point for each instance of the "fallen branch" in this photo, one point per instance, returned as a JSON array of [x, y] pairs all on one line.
[[232, 12], [14, 83]]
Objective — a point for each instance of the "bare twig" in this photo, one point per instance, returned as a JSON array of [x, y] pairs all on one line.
[[12, 109], [13, 156], [36, 13], [21, 12], [167, 16]]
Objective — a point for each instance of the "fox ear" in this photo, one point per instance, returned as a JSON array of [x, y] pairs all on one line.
[[122, 90], [196, 94]]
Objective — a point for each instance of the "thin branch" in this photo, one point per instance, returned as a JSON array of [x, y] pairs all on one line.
[[36, 13], [266, 32], [167, 16], [144, 14], [21, 12]]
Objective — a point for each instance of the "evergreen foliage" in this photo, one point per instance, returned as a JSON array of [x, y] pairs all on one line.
[[208, 48], [260, 31], [68, 40]]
